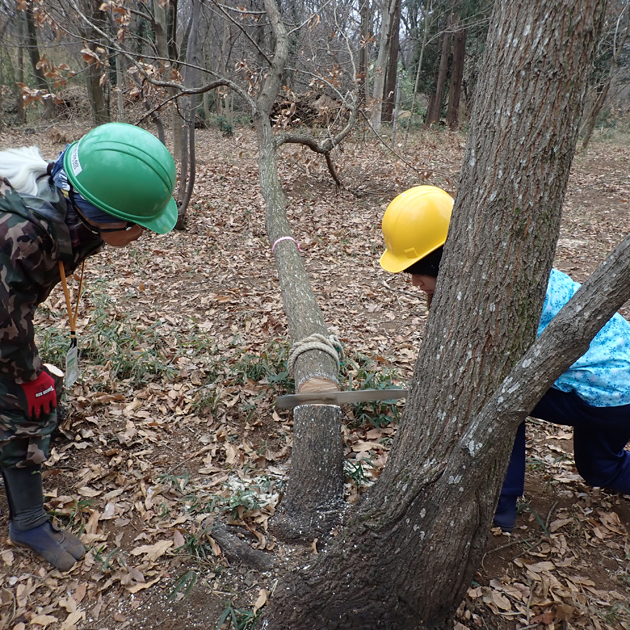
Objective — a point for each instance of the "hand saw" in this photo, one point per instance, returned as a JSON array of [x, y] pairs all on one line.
[[334, 397]]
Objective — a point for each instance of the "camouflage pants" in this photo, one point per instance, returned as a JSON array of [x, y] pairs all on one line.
[[24, 441]]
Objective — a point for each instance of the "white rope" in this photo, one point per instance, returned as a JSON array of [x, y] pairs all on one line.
[[331, 345]]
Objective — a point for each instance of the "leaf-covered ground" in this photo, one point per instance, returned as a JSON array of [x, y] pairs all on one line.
[[172, 430]]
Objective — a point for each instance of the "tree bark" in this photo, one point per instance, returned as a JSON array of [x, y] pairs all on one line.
[[435, 102], [384, 50], [33, 52], [392, 66], [457, 75], [99, 102], [410, 548]]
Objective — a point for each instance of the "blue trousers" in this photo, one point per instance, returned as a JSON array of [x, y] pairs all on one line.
[[599, 437]]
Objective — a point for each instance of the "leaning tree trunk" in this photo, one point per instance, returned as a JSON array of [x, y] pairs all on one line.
[[409, 550], [314, 494]]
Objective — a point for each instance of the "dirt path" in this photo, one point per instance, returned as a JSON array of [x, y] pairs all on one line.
[[172, 428]]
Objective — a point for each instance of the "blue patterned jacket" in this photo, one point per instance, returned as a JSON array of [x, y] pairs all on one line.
[[600, 377]]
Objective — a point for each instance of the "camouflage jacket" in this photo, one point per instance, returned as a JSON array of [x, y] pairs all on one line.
[[35, 234]]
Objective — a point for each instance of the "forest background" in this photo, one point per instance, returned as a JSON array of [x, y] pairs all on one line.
[[171, 433]]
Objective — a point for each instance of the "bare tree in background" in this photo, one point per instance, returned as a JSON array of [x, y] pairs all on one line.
[[36, 61]]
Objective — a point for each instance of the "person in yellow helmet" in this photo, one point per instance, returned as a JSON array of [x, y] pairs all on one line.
[[415, 225], [592, 396]]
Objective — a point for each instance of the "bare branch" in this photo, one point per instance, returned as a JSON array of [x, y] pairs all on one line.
[[308, 19], [240, 27], [319, 78], [400, 157], [182, 90], [240, 11], [174, 97]]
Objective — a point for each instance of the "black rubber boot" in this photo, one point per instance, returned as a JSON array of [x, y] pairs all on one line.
[[505, 515], [61, 548], [30, 524]]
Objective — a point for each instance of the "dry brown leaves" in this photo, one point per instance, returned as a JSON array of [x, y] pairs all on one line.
[[149, 461]]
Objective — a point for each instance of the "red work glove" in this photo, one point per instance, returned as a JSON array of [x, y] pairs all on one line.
[[40, 393]]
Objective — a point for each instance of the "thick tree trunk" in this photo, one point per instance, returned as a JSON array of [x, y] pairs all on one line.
[[409, 550], [366, 23], [389, 95], [314, 494], [435, 102], [189, 163], [99, 102], [457, 76], [13, 76], [388, 10]]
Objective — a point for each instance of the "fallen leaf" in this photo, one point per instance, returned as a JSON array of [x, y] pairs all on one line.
[[139, 586], [178, 539], [360, 447], [43, 620], [80, 591], [546, 618], [556, 525], [89, 492], [261, 600], [69, 603], [216, 550], [92, 524], [153, 552], [70, 622]]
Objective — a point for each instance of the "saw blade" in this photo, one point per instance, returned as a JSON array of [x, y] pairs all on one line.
[[335, 397]]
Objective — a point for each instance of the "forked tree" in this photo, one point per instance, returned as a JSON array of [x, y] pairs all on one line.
[[408, 551]]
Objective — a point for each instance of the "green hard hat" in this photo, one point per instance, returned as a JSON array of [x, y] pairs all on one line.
[[126, 172]]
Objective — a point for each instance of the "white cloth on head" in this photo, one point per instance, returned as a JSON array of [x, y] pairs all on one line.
[[23, 167]]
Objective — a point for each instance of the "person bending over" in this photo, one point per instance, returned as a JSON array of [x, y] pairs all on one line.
[[592, 396], [104, 189]]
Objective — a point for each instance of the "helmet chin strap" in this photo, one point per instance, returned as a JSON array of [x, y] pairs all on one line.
[[94, 227]]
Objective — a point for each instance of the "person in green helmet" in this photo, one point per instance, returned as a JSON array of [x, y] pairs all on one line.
[[104, 189]]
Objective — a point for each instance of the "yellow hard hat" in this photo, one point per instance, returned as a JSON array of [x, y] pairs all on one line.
[[414, 225]]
